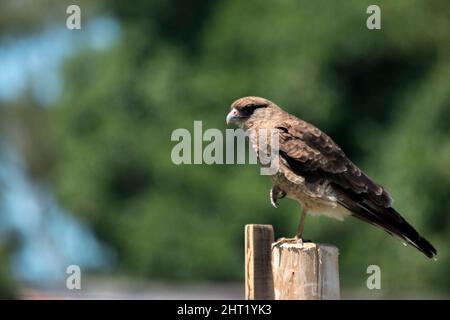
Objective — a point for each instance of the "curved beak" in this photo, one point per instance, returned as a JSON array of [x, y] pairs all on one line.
[[233, 116]]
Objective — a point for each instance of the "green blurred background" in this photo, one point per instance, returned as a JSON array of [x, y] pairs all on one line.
[[96, 135]]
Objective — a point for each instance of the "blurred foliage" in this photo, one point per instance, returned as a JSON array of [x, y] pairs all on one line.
[[382, 95], [7, 288], [30, 16]]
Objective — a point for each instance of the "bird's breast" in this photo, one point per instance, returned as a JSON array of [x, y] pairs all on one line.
[[316, 198]]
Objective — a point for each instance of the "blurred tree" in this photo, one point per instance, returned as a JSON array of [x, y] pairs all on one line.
[[7, 289], [8, 241], [383, 95], [29, 16]]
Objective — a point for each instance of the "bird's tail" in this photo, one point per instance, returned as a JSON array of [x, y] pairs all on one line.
[[392, 222]]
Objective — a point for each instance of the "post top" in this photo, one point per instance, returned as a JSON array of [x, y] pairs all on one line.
[[300, 245]]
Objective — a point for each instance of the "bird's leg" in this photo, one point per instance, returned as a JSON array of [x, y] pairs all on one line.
[[275, 194], [301, 225], [298, 236]]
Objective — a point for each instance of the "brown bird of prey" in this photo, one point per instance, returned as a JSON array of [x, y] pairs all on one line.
[[313, 170]]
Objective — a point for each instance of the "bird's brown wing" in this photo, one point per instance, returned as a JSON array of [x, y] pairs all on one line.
[[307, 149], [312, 154]]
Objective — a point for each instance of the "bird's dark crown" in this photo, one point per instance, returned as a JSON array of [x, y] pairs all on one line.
[[247, 105], [248, 102]]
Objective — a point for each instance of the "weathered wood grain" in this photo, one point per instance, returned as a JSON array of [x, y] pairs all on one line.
[[258, 262]]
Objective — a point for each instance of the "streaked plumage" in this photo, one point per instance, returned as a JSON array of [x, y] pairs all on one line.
[[315, 171]]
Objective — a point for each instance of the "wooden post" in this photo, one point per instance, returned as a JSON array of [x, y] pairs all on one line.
[[306, 271], [290, 270], [258, 262]]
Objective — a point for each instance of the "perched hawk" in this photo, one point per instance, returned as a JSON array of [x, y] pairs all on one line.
[[313, 170]]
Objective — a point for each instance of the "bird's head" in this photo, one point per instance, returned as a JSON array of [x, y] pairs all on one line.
[[248, 108]]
